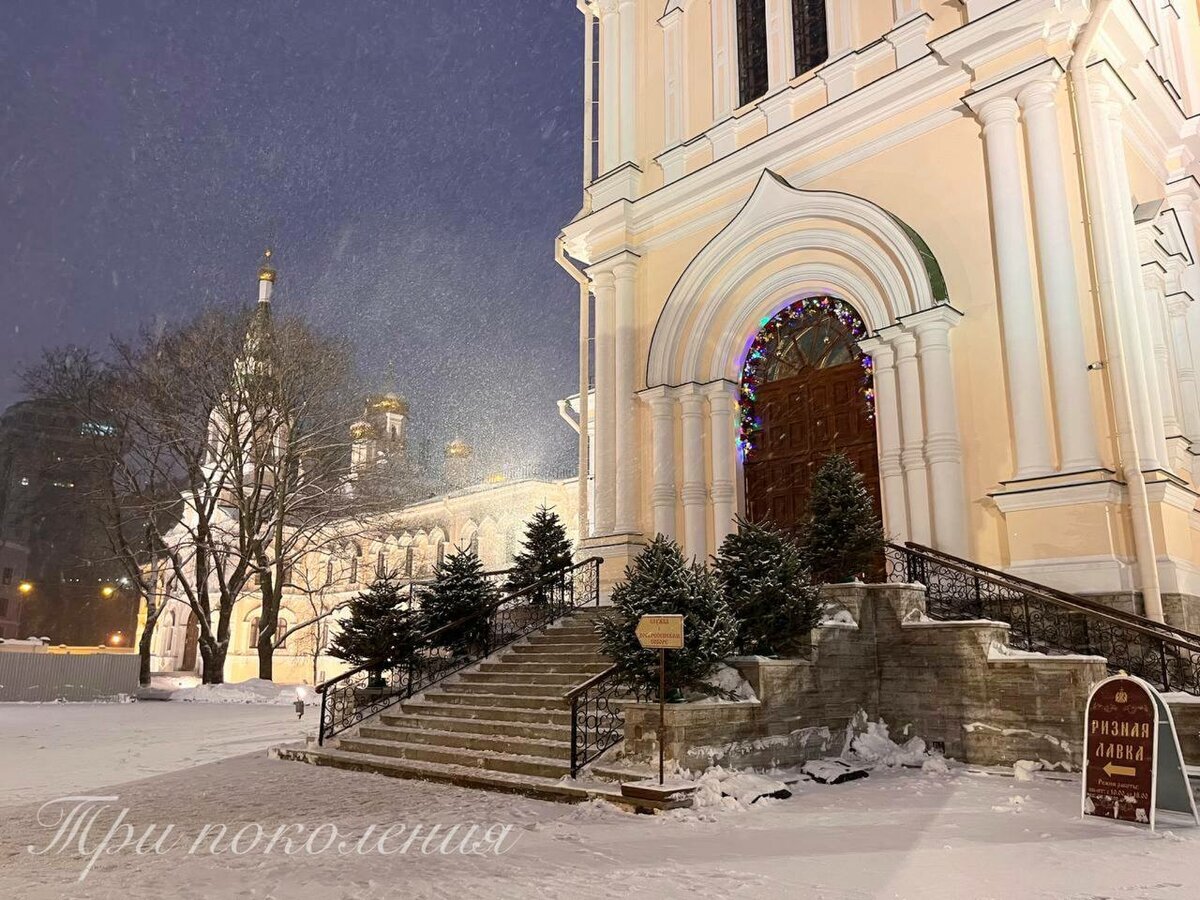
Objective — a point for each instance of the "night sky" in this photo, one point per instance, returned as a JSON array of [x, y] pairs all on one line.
[[410, 160]]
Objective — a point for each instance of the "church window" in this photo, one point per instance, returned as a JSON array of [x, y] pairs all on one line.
[[752, 50], [354, 570], [408, 560], [281, 629], [380, 564], [253, 634], [811, 42], [441, 552], [329, 572]]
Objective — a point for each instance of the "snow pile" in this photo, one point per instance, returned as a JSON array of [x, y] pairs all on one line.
[[841, 617], [254, 690], [730, 684], [720, 788], [876, 746], [1023, 769]]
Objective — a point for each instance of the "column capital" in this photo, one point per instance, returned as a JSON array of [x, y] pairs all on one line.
[[659, 398], [719, 391], [611, 264], [942, 318], [605, 7], [674, 12], [691, 398], [997, 100]]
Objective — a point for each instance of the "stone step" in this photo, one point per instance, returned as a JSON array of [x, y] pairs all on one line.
[[493, 714], [509, 701], [516, 728], [482, 759], [506, 688], [552, 654], [464, 776], [576, 631], [548, 748], [556, 679], [554, 647], [565, 667]]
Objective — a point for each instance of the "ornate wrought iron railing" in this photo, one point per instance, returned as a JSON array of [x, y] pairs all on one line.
[[1044, 620], [362, 692], [597, 716]]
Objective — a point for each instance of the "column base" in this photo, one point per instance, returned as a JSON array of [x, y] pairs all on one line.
[[617, 551]]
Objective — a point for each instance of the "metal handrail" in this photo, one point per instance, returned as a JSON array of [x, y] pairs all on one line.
[[344, 705], [427, 639], [1148, 627], [597, 720], [590, 683], [998, 576]]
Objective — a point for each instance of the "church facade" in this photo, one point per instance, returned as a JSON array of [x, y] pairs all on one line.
[[955, 241]]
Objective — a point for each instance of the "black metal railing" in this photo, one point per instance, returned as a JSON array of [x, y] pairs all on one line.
[[1045, 620], [597, 716], [362, 692]]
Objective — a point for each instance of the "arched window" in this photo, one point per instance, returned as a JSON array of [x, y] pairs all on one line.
[[811, 40], [354, 570], [281, 629], [329, 572], [380, 564], [752, 50], [253, 644]]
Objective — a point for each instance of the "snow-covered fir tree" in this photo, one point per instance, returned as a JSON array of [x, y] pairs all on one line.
[[382, 631], [843, 537], [659, 581], [545, 550], [457, 604], [768, 588]]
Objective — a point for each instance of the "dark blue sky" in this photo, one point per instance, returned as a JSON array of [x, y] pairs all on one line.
[[411, 161]]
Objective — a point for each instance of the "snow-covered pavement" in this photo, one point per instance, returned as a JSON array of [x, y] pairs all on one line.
[[49, 749], [897, 834]]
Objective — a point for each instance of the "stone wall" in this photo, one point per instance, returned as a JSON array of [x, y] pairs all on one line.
[[953, 683]]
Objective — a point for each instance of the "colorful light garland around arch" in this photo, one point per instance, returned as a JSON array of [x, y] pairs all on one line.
[[764, 342]]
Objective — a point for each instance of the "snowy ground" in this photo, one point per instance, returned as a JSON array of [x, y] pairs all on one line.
[[897, 834]]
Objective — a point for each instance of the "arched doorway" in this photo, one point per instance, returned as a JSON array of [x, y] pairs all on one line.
[[805, 392]]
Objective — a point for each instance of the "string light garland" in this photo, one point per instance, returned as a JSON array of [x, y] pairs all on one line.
[[753, 369]]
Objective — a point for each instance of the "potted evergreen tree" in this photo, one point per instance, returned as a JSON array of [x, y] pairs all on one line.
[[458, 605], [381, 632], [769, 591], [843, 537], [660, 581]]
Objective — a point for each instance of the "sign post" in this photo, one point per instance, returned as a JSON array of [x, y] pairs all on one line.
[[1132, 762], [661, 633]]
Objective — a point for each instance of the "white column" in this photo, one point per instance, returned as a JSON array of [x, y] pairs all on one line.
[[695, 493], [625, 421], [1143, 389], [662, 425], [887, 428], [628, 13], [903, 10], [1077, 448], [610, 70], [604, 488], [722, 410], [912, 438], [1156, 320], [943, 445], [724, 59], [1026, 385], [674, 77], [1185, 367], [781, 66], [839, 23]]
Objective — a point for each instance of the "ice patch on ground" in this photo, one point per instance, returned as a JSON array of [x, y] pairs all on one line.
[[254, 690]]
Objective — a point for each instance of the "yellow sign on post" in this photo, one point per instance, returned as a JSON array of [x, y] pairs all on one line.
[[660, 632]]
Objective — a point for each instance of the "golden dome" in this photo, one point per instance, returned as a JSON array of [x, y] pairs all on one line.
[[360, 430], [389, 402], [266, 272], [458, 449]]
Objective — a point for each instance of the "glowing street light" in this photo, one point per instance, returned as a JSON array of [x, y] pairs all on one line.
[[107, 591], [25, 587], [116, 639]]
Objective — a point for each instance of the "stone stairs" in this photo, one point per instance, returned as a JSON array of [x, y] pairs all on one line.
[[501, 724]]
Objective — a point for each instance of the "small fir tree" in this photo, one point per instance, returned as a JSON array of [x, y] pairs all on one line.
[[768, 589], [459, 601], [381, 632], [545, 550], [659, 581], [843, 537]]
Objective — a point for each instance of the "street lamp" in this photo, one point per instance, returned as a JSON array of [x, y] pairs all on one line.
[[116, 639], [107, 591], [25, 587]]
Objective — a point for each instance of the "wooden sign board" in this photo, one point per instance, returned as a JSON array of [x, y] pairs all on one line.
[[660, 632], [1132, 763]]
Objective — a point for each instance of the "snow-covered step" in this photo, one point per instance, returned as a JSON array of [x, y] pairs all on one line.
[[517, 676], [558, 716], [498, 743], [480, 726], [506, 700], [565, 667], [508, 688], [557, 649], [516, 764]]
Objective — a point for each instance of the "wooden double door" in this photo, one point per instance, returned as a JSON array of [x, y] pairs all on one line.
[[804, 418]]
